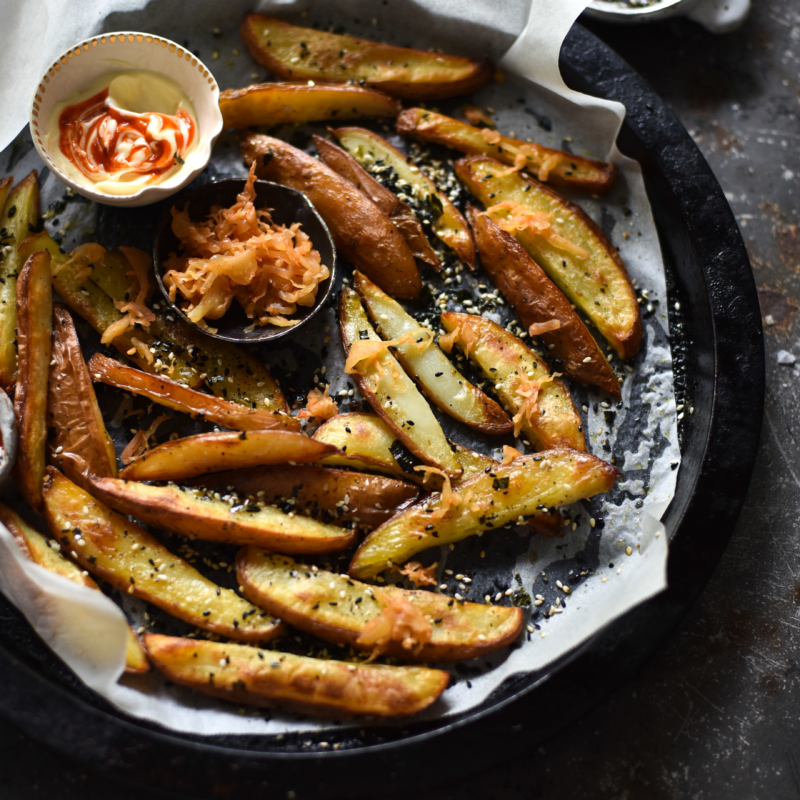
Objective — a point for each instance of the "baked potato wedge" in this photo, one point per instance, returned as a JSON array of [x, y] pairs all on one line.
[[332, 495], [125, 555], [178, 397], [294, 103], [400, 213], [170, 347], [567, 245], [337, 609], [297, 53], [362, 233], [250, 676], [366, 442], [540, 303], [386, 163], [212, 452], [47, 554], [541, 403], [433, 372], [529, 485], [389, 391], [19, 214], [201, 514], [78, 443], [34, 330], [553, 166]]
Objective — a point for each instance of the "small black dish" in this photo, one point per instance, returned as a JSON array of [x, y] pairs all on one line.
[[286, 206]]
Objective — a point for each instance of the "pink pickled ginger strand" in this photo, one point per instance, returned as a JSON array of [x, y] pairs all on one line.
[[239, 253]]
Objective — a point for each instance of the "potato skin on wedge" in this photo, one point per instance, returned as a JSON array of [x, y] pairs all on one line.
[[78, 442], [598, 284], [125, 555], [336, 609], [38, 549], [342, 163], [196, 513], [433, 372], [567, 169], [362, 233], [297, 53], [391, 393], [538, 300], [213, 452], [447, 223], [294, 103], [332, 495], [20, 212], [174, 395], [247, 675], [527, 486], [548, 417], [33, 334]]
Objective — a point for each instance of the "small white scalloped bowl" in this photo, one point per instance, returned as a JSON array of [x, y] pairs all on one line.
[[106, 53]]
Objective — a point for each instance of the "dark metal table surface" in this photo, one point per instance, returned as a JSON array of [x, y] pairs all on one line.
[[716, 712]]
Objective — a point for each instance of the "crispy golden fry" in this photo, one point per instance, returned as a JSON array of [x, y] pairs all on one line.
[[332, 495], [213, 452], [538, 301], [362, 233], [176, 396], [390, 392], [439, 380], [541, 403], [597, 284], [446, 220], [336, 609], [47, 554], [296, 53], [400, 213], [198, 514], [20, 212], [293, 103], [527, 486], [125, 555], [78, 443], [34, 328], [173, 348], [554, 166], [247, 675], [367, 442]]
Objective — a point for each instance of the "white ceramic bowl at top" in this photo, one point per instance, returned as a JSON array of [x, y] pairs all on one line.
[[89, 60]]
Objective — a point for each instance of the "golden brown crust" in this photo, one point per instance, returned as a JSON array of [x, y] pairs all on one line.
[[333, 495], [363, 234], [294, 103], [78, 442], [198, 514], [34, 331], [212, 452], [321, 56], [569, 170], [537, 299], [247, 675], [175, 395], [339, 613], [342, 163]]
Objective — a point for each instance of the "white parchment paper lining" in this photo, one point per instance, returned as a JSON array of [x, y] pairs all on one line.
[[86, 629]]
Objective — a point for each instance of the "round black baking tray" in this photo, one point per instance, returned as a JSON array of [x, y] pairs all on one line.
[[722, 375]]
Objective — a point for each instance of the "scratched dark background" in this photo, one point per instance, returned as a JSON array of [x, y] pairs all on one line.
[[716, 712]]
